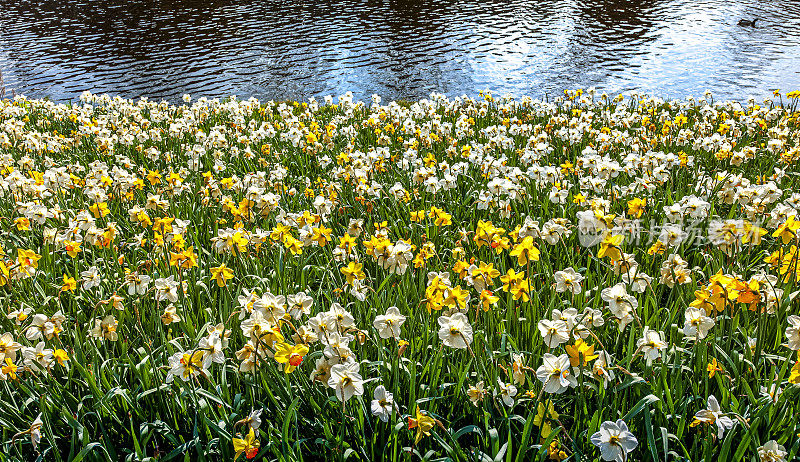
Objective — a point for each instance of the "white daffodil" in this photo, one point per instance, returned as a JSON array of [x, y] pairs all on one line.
[[713, 415], [346, 381], [772, 452], [697, 323], [507, 392], [455, 331], [382, 403], [388, 325], [793, 332], [556, 374], [554, 333], [568, 280], [615, 441]]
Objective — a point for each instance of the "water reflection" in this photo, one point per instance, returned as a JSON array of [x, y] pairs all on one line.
[[396, 48]]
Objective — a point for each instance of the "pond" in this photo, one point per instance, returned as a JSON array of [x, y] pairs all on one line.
[[397, 49]]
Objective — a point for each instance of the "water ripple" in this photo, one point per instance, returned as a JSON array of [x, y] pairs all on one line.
[[396, 48]]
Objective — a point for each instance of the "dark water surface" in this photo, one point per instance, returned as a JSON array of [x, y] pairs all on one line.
[[398, 49]]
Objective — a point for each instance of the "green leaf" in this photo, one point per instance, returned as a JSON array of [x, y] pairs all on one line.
[[635, 410]]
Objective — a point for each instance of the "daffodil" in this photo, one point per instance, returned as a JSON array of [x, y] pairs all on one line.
[[295, 246], [615, 441], [651, 344], [185, 365], [72, 248], [388, 325], [248, 445], [8, 370], [105, 328], [749, 293], [568, 280], [382, 403], [794, 375], [457, 297], [697, 323], [787, 230], [186, 259], [713, 367], [657, 248], [61, 356], [610, 247], [580, 353], [636, 207], [221, 274], [525, 251], [290, 355], [555, 452], [511, 279], [353, 271], [100, 209], [346, 381], [28, 258], [22, 223], [545, 413], [69, 284], [423, 423], [713, 415], [485, 272], [556, 374], [321, 235], [488, 299], [793, 332], [8, 347], [455, 331]]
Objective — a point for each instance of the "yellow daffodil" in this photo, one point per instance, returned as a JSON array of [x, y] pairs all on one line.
[[9, 369], [154, 177], [580, 353], [249, 445], [27, 258], [657, 248], [749, 293], [545, 413], [511, 279], [185, 260], [554, 451], [794, 375], [221, 274], [72, 248], [457, 297], [321, 235], [441, 218], [22, 223], [347, 242], [488, 299], [353, 271], [423, 423], [100, 209], [461, 267], [61, 356], [291, 355], [525, 251], [788, 230], [610, 247], [70, 284], [521, 291], [636, 207], [713, 367]]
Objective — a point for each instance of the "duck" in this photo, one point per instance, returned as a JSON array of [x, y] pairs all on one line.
[[748, 23]]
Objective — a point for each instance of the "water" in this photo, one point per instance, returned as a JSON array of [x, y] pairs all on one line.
[[398, 49]]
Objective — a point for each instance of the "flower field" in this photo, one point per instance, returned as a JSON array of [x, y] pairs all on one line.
[[487, 279]]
